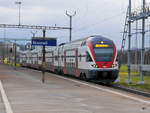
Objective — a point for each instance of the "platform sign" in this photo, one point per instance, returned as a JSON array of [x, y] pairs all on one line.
[[44, 42]]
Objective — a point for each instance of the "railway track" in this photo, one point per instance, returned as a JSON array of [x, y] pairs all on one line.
[[123, 88], [131, 90], [115, 86]]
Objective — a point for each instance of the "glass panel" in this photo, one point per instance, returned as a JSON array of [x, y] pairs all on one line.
[[103, 54], [88, 57]]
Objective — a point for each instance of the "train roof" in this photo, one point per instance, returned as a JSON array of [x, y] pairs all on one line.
[[93, 36]]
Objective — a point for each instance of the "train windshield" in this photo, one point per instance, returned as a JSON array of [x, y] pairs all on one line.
[[103, 54]]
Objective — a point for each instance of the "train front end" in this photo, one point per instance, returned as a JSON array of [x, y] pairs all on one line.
[[103, 52]]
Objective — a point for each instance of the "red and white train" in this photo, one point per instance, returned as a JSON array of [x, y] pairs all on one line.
[[93, 57]]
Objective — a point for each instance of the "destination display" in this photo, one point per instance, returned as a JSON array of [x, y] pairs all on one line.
[[101, 45]]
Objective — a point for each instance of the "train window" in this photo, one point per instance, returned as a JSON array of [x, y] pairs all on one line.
[[103, 54], [88, 57], [83, 43], [117, 59], [56, 58], [62, 57], [80, 57], [40, 58]]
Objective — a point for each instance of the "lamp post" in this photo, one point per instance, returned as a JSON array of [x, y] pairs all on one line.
[[33, 33], [70, 16], [19, 4], [33, 36]]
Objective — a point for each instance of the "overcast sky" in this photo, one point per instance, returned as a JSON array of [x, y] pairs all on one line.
[[93, 17]]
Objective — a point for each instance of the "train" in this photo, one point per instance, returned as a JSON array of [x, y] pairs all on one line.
[[90, 58]]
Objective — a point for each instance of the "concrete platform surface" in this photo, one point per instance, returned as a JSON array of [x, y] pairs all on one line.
[[27, 94]]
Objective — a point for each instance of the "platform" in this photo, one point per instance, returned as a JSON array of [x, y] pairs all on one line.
[[27, 94], [2, 107]]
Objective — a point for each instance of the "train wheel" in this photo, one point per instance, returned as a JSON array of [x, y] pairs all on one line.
[[84, 77], [56, 71], [61, 72], [81, 76]]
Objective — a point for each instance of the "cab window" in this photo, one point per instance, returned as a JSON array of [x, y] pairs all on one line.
[[88, 57]]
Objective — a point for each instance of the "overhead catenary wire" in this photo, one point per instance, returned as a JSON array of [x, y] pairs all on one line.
[[84, 28]]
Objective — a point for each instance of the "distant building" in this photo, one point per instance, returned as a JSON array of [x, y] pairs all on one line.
[[29, 46]]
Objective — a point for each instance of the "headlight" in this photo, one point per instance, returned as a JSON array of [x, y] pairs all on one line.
[[114, 65], [94, 65]]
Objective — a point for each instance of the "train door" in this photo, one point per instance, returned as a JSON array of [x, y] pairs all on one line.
[[76, 63], [72, 63], [37, 59], [59, 60], [65, 68]]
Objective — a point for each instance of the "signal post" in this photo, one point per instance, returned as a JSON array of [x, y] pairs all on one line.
[[43, 41]]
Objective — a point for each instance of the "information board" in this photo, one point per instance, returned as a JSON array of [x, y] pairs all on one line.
[[44, 42]]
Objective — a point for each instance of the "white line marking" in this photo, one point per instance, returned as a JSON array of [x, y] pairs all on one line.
[[5, 99], [106, 90]]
